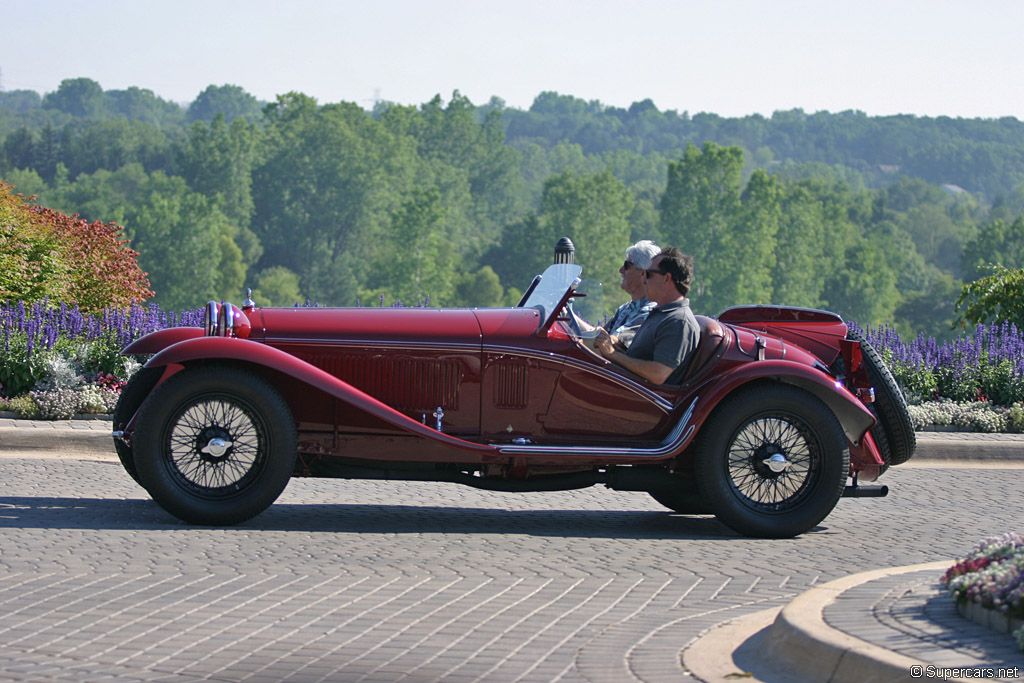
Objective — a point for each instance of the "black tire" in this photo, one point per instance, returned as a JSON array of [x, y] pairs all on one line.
[[215, 445], [132, 396], [682, 502], [890, 407], [743, 433]]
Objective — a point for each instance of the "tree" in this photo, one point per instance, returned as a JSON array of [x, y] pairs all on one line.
[[229, 100], [143, 105], [80, 97], [590, 209], [45, 253], [480, 288], [185, 243], [277, 286], [699, 209], [420, 264], [864, 288], [798, 275], [326, 187], [751, 243], [19, 149], [113, 143], [217, 161], [20, 101], [995, 244], [997, 298]]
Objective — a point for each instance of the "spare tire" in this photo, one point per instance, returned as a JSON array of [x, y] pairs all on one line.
[[894, 433]]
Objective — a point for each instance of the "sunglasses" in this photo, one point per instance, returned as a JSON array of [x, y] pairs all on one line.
[[654, 271], [626, 265]]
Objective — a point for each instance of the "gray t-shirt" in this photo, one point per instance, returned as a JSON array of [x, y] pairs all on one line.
[[668, 336]]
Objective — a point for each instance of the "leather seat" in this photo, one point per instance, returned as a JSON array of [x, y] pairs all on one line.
[[712, 337]]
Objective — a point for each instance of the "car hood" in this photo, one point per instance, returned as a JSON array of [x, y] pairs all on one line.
[[326, 325]]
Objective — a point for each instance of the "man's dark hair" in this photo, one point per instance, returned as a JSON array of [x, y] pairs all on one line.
[[679, 266]]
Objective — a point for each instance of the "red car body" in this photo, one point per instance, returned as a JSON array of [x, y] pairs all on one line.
[[505, 399]]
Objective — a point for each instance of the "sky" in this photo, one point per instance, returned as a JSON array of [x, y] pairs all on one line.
[[728, 57]]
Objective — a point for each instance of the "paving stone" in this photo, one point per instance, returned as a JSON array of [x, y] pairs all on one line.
[[396, 580]]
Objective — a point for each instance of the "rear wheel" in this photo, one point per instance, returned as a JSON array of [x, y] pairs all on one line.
[[215, 445], [772, 461]]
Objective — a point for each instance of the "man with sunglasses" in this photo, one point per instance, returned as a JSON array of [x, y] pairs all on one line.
[[662, 346]]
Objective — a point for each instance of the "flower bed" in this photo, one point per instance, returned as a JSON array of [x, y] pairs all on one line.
[[992, 578]]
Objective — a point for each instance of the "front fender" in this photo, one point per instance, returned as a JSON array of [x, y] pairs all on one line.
[[246, 351], [154, 342], [854, 417]]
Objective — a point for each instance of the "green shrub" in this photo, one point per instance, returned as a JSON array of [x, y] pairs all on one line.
[[24, 407], [21, 370], [918, 383], [1015, 418]]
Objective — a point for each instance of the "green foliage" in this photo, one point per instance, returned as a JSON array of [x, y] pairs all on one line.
[[80, 97], [844, 211], [420, 264], [24, 407], [217, 161], [480, 288], [277, 286], [229, 101], [20, 370], [998, 297], [995, 244], [30, 267], [1015, 418], [918, 383]]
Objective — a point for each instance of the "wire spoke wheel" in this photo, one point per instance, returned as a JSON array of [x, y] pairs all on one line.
[[771, 461], [216, 445], [750, 462]]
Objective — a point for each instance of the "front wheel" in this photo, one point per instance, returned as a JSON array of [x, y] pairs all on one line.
[[772, 461], [215, 445]]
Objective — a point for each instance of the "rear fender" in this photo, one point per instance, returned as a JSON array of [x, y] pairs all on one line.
[[245, 351], [853, 416]]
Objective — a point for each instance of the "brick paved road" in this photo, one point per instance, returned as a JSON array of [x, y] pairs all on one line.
[[349, 581]]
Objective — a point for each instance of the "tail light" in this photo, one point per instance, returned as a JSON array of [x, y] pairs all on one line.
[[856, 380]]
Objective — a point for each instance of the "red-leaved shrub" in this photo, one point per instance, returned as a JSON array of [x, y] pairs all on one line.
[[46, 253]]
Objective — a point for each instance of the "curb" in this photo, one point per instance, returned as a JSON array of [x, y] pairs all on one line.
[[817, 651], [92, 437], [952, 446], [794, 643], [92, 433]]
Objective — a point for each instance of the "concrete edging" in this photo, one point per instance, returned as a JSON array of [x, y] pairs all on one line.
[[817, 651]]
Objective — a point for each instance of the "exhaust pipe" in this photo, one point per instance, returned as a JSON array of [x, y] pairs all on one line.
[[865, 492]]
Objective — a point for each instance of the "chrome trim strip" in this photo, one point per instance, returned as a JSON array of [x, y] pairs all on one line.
[[368, 343], [676, 438]]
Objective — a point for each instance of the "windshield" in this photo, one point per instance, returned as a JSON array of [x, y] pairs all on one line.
[[552, 285]]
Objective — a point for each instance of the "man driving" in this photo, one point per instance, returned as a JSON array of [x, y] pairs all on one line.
[[662, 346]]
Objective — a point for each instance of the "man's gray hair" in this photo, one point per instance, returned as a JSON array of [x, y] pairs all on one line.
[[641, 253]]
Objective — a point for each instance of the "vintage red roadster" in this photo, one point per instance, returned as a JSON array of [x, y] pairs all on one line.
[[782, 410]]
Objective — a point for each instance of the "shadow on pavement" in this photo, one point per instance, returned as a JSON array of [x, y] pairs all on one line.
[[104, 513]]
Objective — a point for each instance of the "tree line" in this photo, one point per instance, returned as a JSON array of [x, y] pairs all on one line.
[[881, 219]]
